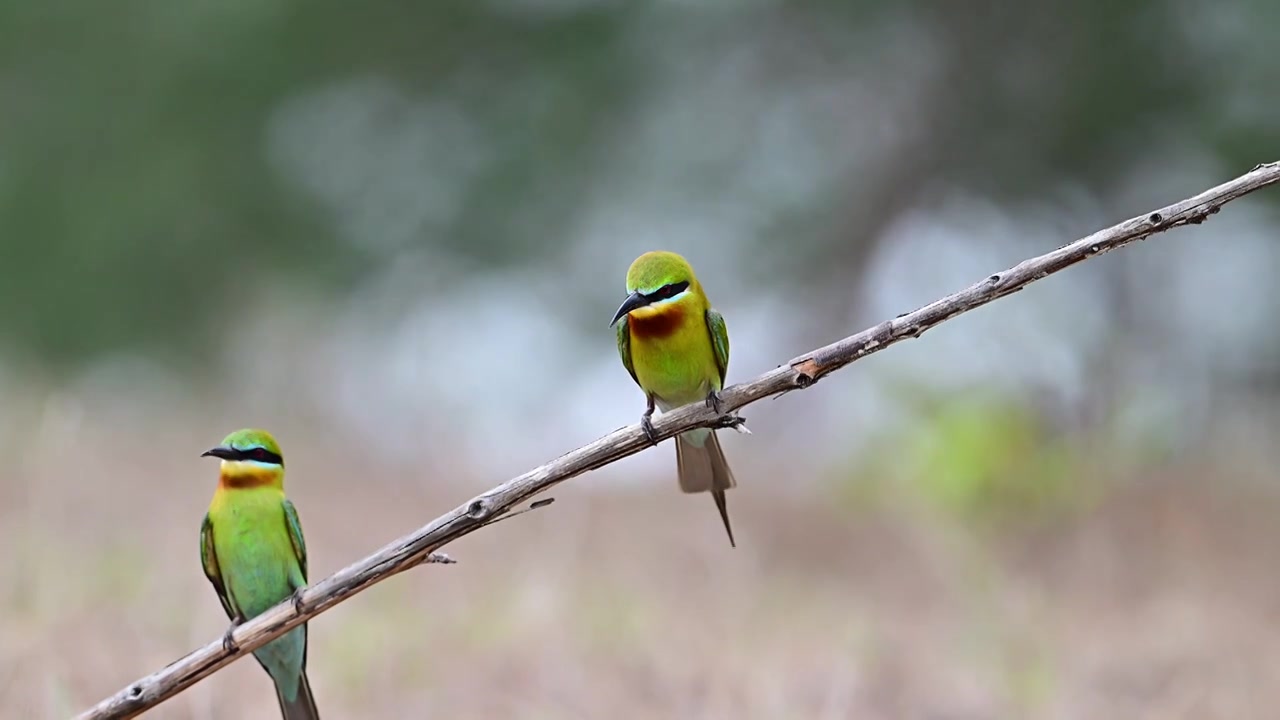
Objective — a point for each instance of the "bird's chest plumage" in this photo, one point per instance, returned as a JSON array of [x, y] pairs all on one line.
[[253, 548], [672, 355]]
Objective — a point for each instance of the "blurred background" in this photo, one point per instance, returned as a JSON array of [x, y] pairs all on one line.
[[395, 237]]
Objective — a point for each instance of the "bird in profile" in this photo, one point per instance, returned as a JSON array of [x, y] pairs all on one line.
[[253, 553], [676, 348]]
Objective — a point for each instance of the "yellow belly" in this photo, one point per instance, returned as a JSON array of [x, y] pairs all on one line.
[[677, 369]]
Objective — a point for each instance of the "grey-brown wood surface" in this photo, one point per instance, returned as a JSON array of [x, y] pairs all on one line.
[[801, 372]]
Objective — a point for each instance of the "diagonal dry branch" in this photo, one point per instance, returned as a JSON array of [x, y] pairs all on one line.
[[800, 373]]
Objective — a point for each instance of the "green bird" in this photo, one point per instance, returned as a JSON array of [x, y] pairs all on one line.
[[676, 348], [252, 550]]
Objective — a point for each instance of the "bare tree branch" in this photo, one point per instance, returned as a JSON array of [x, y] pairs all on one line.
[[800, 373]]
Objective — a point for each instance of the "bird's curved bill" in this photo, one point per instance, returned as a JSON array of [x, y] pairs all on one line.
[[633, 301], [225, 453]]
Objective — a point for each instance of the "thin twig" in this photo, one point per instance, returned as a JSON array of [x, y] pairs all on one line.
[[800, 373]]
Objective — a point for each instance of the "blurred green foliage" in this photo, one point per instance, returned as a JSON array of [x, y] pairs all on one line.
[[977, 455], [138, 209], [988, 461]]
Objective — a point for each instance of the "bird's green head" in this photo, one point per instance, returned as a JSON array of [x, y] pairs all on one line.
[[657, 279], [249, 457]]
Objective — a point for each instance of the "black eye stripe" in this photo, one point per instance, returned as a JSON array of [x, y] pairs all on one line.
[[668, 291], [260, 455]]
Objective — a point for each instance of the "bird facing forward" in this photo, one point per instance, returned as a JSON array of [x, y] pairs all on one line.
[[676, 348], [253, 553]]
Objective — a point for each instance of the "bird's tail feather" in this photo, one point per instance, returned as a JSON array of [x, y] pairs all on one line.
[[302, 707], [702, 468]]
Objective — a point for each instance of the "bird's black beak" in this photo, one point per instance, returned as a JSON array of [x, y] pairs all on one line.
[[225, 453], [633, 301]]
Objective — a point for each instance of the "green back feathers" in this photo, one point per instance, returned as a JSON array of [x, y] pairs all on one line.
[[654, 269]]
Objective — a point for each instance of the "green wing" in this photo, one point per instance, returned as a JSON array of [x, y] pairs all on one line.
[[624, 348], [295, 539], [300, 552], [209, 560], [719, 341]]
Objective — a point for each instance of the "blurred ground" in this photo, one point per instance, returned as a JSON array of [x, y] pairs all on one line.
[[1159, 600]]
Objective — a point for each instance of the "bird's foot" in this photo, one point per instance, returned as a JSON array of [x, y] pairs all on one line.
[[647, 425], [715, 403], [730, 421], [228, 642], [734, 422], [296, 598]]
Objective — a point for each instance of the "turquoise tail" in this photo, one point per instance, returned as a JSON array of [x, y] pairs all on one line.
[[303, 705]]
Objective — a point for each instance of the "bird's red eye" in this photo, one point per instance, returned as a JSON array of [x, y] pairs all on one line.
[[672, 290], [260, 454]]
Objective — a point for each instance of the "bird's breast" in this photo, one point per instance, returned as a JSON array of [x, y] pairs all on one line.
[[673, 357], [252, 546]]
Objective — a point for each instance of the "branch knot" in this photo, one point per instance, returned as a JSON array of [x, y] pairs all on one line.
[[479, 510]]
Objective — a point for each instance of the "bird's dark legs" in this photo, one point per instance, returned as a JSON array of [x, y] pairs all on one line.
[[647, 424], [229, 643], [726, 421], [714, 402], [296, 597]]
